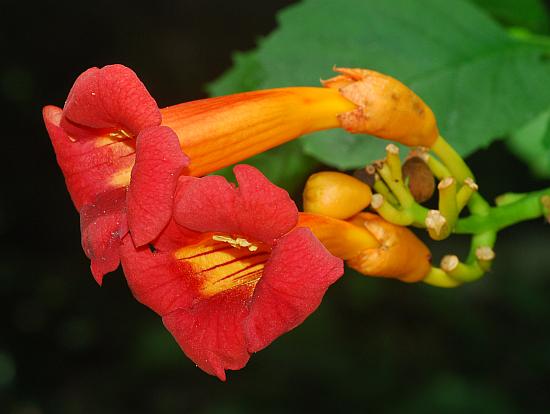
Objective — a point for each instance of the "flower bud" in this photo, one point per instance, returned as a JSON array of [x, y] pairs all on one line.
[[419, 178], [385, 108], [340, 238], [335, 195], [401, 255]]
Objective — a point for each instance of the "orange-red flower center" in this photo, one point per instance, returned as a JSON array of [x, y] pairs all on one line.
[[222, 262], [125, 145]]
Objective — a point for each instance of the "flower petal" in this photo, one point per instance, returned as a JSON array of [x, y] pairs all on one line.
[[211, 332], [90, 167], [103, 224], [110, 97], [257, 208], [295, 279], [157, 279], [159, 162]]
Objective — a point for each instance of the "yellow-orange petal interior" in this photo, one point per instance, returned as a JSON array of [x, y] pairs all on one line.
[[222, 262]]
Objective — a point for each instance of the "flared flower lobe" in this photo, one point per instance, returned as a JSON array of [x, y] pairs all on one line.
[[108, 116], [242, 275]]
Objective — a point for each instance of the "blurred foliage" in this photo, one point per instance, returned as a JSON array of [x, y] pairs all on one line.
[[530, 14], [532, 143], [481, 82]]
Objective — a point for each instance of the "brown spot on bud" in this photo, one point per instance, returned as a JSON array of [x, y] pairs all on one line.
[[367, 175], [420, 179]]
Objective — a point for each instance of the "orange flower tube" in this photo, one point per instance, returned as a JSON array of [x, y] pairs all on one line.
[[218, 132]]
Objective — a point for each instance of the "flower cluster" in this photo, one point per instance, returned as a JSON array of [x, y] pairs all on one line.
[[228, 268]]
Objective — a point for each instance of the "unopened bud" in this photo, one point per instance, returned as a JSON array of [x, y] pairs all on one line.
[[385, 108], [401, 255], [471, 183], [377, 201], [420, 179], [435, 222], [335, 195], [341, 238], [485, 254], [449, 263]]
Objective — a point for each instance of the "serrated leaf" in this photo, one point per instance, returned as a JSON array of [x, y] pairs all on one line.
[[481, 83], [532, 144]]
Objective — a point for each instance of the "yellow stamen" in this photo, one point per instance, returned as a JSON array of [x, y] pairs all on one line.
[[237, 243], [220, 264]]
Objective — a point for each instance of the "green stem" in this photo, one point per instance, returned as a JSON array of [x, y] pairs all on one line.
[[524, 35], [460, 171], [496, 218], [450, 158]]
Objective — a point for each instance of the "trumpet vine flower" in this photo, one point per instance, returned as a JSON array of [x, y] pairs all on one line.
[[231, 272], [121, 155]]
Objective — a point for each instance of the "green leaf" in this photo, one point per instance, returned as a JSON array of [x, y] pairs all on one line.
[[286, 166], [342, 150], [532, 144], [546, 138], [530, 14], [481, 83]]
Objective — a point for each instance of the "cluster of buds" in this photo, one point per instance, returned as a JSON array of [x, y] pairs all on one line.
[[395, 192], [229, 269]]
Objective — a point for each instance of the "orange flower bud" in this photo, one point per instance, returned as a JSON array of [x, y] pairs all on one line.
[[342, 239], [335, 195], [386, 108], [401, 254], [371, 245]]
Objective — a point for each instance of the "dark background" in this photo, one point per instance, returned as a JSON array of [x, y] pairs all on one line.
[[68, 346]]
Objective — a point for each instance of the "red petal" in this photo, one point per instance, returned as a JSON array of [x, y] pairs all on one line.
[[211, 332], [295, 279], [173, 237], [159, 163], [111, 97], [257, 208], [158, 280], [102, 225], [88, 168]]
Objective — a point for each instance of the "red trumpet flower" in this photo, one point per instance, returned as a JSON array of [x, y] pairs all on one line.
[[121, 155], [234, 273]]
